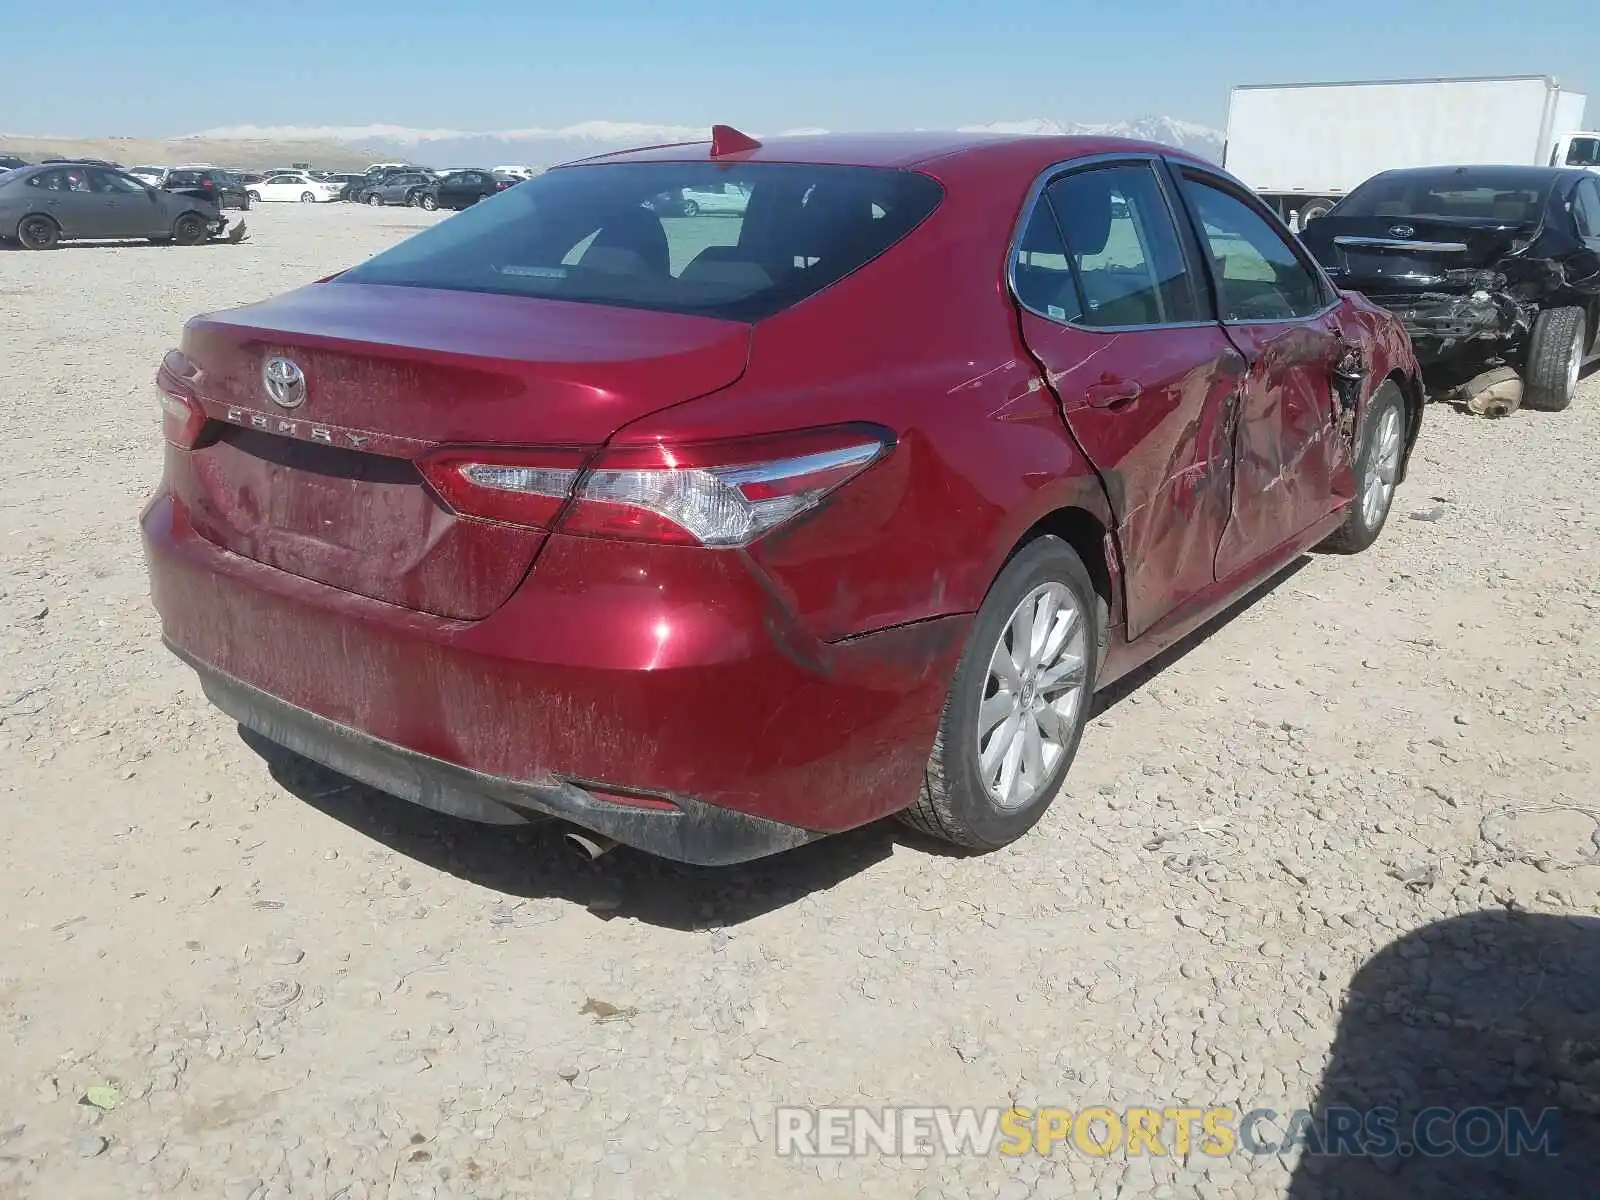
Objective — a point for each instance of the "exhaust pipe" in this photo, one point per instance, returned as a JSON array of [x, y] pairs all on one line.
[[590, 845]]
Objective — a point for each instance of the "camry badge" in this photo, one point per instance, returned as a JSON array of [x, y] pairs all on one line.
[[284, 381]]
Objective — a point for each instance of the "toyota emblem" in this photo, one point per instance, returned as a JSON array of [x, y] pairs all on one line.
[[284, 381], [1401, 231]]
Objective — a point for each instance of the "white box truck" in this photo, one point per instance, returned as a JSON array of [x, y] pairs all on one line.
[[1303, 146]]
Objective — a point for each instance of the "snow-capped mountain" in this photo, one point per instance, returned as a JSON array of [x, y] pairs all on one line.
[[1187, 135], [545, 146]]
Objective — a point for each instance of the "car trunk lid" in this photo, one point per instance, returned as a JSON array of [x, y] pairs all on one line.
[[1410, 254], [330, 489]]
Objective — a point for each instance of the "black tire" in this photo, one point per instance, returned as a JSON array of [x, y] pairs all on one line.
[[38, 232], [1555, 359], [374, 199], [691, 208], [190, 229], [308, 197], [244, 205], [252, 197], [1359, 529], [954, 805], [426, 202]]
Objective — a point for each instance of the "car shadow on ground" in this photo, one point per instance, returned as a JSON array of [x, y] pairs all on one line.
[[117, 244], [1481, 1034], [536, 861]]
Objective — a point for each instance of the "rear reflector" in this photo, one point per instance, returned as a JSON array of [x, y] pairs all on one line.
[[718, 494]]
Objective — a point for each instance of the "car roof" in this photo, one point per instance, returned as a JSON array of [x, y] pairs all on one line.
[[1519, 173], [1024, 154]]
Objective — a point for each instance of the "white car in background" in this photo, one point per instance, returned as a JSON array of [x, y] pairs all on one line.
[[514, 172], [297, 186], [149, 175], [715, 198]]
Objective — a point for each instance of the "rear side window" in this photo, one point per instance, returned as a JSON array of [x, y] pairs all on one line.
[[1042, 271], [600, 234], [1123, 247], [1259, 276]]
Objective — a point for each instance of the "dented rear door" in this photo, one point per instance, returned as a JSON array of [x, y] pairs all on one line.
[[1145, 378]]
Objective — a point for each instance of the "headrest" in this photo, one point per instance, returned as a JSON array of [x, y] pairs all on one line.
[[633, 228], [1083, 206], [1041, 236]]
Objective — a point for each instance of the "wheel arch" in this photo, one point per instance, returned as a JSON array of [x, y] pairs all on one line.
[[1415, 398], [1083, 521]]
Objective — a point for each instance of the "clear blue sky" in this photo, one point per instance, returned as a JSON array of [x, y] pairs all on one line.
[[122, 67]]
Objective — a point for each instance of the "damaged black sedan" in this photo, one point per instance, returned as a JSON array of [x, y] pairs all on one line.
[[1495, 271]]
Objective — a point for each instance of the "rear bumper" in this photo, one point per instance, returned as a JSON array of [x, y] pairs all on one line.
[[691, 832], [614, 669]]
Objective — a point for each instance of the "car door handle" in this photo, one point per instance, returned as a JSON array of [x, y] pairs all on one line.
[[1112, 393]]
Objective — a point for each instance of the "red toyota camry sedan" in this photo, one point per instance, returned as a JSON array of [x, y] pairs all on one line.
[[711, 535]]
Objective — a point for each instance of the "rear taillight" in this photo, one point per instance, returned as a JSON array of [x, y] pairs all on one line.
[[719, 494], [521, 487], [182, 418]]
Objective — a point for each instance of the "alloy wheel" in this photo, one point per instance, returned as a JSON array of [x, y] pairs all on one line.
[[1383, 468], [1031, 695]]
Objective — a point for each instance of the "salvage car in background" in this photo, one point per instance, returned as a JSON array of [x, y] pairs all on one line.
[[43, 205], [405, 187], [1483, 264], [814, 518], [463, 188], [222, 188], [295, 186]]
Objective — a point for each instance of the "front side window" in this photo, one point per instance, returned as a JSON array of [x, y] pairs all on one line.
[[113, 183], [1123, 247], [1586, 208], [596, 234], [1259, 276], [1584, 152]]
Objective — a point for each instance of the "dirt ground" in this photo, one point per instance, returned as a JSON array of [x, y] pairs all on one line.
[[228, 973]]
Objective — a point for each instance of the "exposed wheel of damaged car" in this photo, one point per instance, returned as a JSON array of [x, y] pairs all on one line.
[[38, 232], [713, 546], [190, 229], [1377, 470], [1555, 358]]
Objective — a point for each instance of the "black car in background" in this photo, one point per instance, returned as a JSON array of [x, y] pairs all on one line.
[[222, 188], [463, 189], [10, 162], [55, 202], [1486, 266]]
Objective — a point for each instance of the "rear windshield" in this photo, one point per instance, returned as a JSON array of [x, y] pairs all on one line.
[[741, 241], [1481, 196]]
